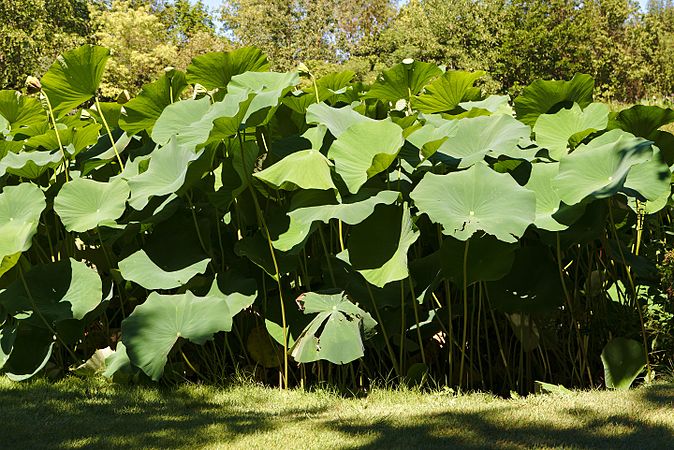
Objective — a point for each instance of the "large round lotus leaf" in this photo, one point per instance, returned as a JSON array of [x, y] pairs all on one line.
[[642, 120], [532, 285], [352, 211], [142, 112], [20, 110], [237, 291], [549, 96], [476, 199], [337, 120], [20, 210], [153, 328], [31, 351], [402, 81], [364, 150], [84, 204], [551, 213], [74, 77], [377, 247], [486, 259], [165, 174], [474, 138], [268, 87], [186, 117], [553, 131], [58, 291], [216, 69], [306, 169], [651, 179], [335, 333], [433, 134], [445, 93], [29, 165], [600, 167], [139, 268], [623, 360]]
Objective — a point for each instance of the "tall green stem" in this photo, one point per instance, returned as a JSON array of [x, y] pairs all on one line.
[[107, 128]]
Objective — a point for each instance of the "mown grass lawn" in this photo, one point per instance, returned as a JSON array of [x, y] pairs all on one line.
[[84, 414]]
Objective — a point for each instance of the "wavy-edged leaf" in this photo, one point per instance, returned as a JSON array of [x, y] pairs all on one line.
[[600, 167], [445, 93], [84, 204], [337, 120], [306, 169], [403, 81], [549, 96], [364, 150], [20, 210], [553, 131], [623, 359], [29, 165], [141, 269], [74, 77], [153, 328], [476, 199], [20, 111], [141, 112], [215, 70]]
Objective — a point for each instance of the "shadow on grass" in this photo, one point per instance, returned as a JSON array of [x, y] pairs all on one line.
[[77, 415]]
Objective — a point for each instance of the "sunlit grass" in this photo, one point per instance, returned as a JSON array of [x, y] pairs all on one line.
[[94, 414]]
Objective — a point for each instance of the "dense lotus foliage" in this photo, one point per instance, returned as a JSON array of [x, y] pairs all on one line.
[[306, 230]]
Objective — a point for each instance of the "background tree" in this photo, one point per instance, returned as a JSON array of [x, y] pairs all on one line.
[[34, 32]]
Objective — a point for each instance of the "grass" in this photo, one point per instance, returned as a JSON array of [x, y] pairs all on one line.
[[92, 414]]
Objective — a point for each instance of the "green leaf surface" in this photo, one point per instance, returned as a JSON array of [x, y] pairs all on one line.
[[335, 334], [306, 169], [141, 269], [445, 93], [84, 204], [549, 96], [20, 210], [215, 70], [623, 359], [74, 77], [153, 328], [476, 199], [403, 81], [364, 150]]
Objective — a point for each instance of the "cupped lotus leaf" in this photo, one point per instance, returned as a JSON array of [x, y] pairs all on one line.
[[549, 96], [643, 121], [30, 352], [352, 210], [495, 104], [74, 77], [141, 269], [553, 131], [547, 200], [474, 138], [153, 328], [377, 247], [215, 70], [486, 259], [20, 210], [402, 81], [336, 333], [334, 86], [84, 204], [600, 167], [141, 112], [364, 150], [268, 89], [165, 174], [623, 359], [433, 134], [531, 286], [306, 169], [29, 165], [337, 120], [179, 118], [445, 93], [57, 291], [476, 199], [20, 111], [74, 137], [651, 179]]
